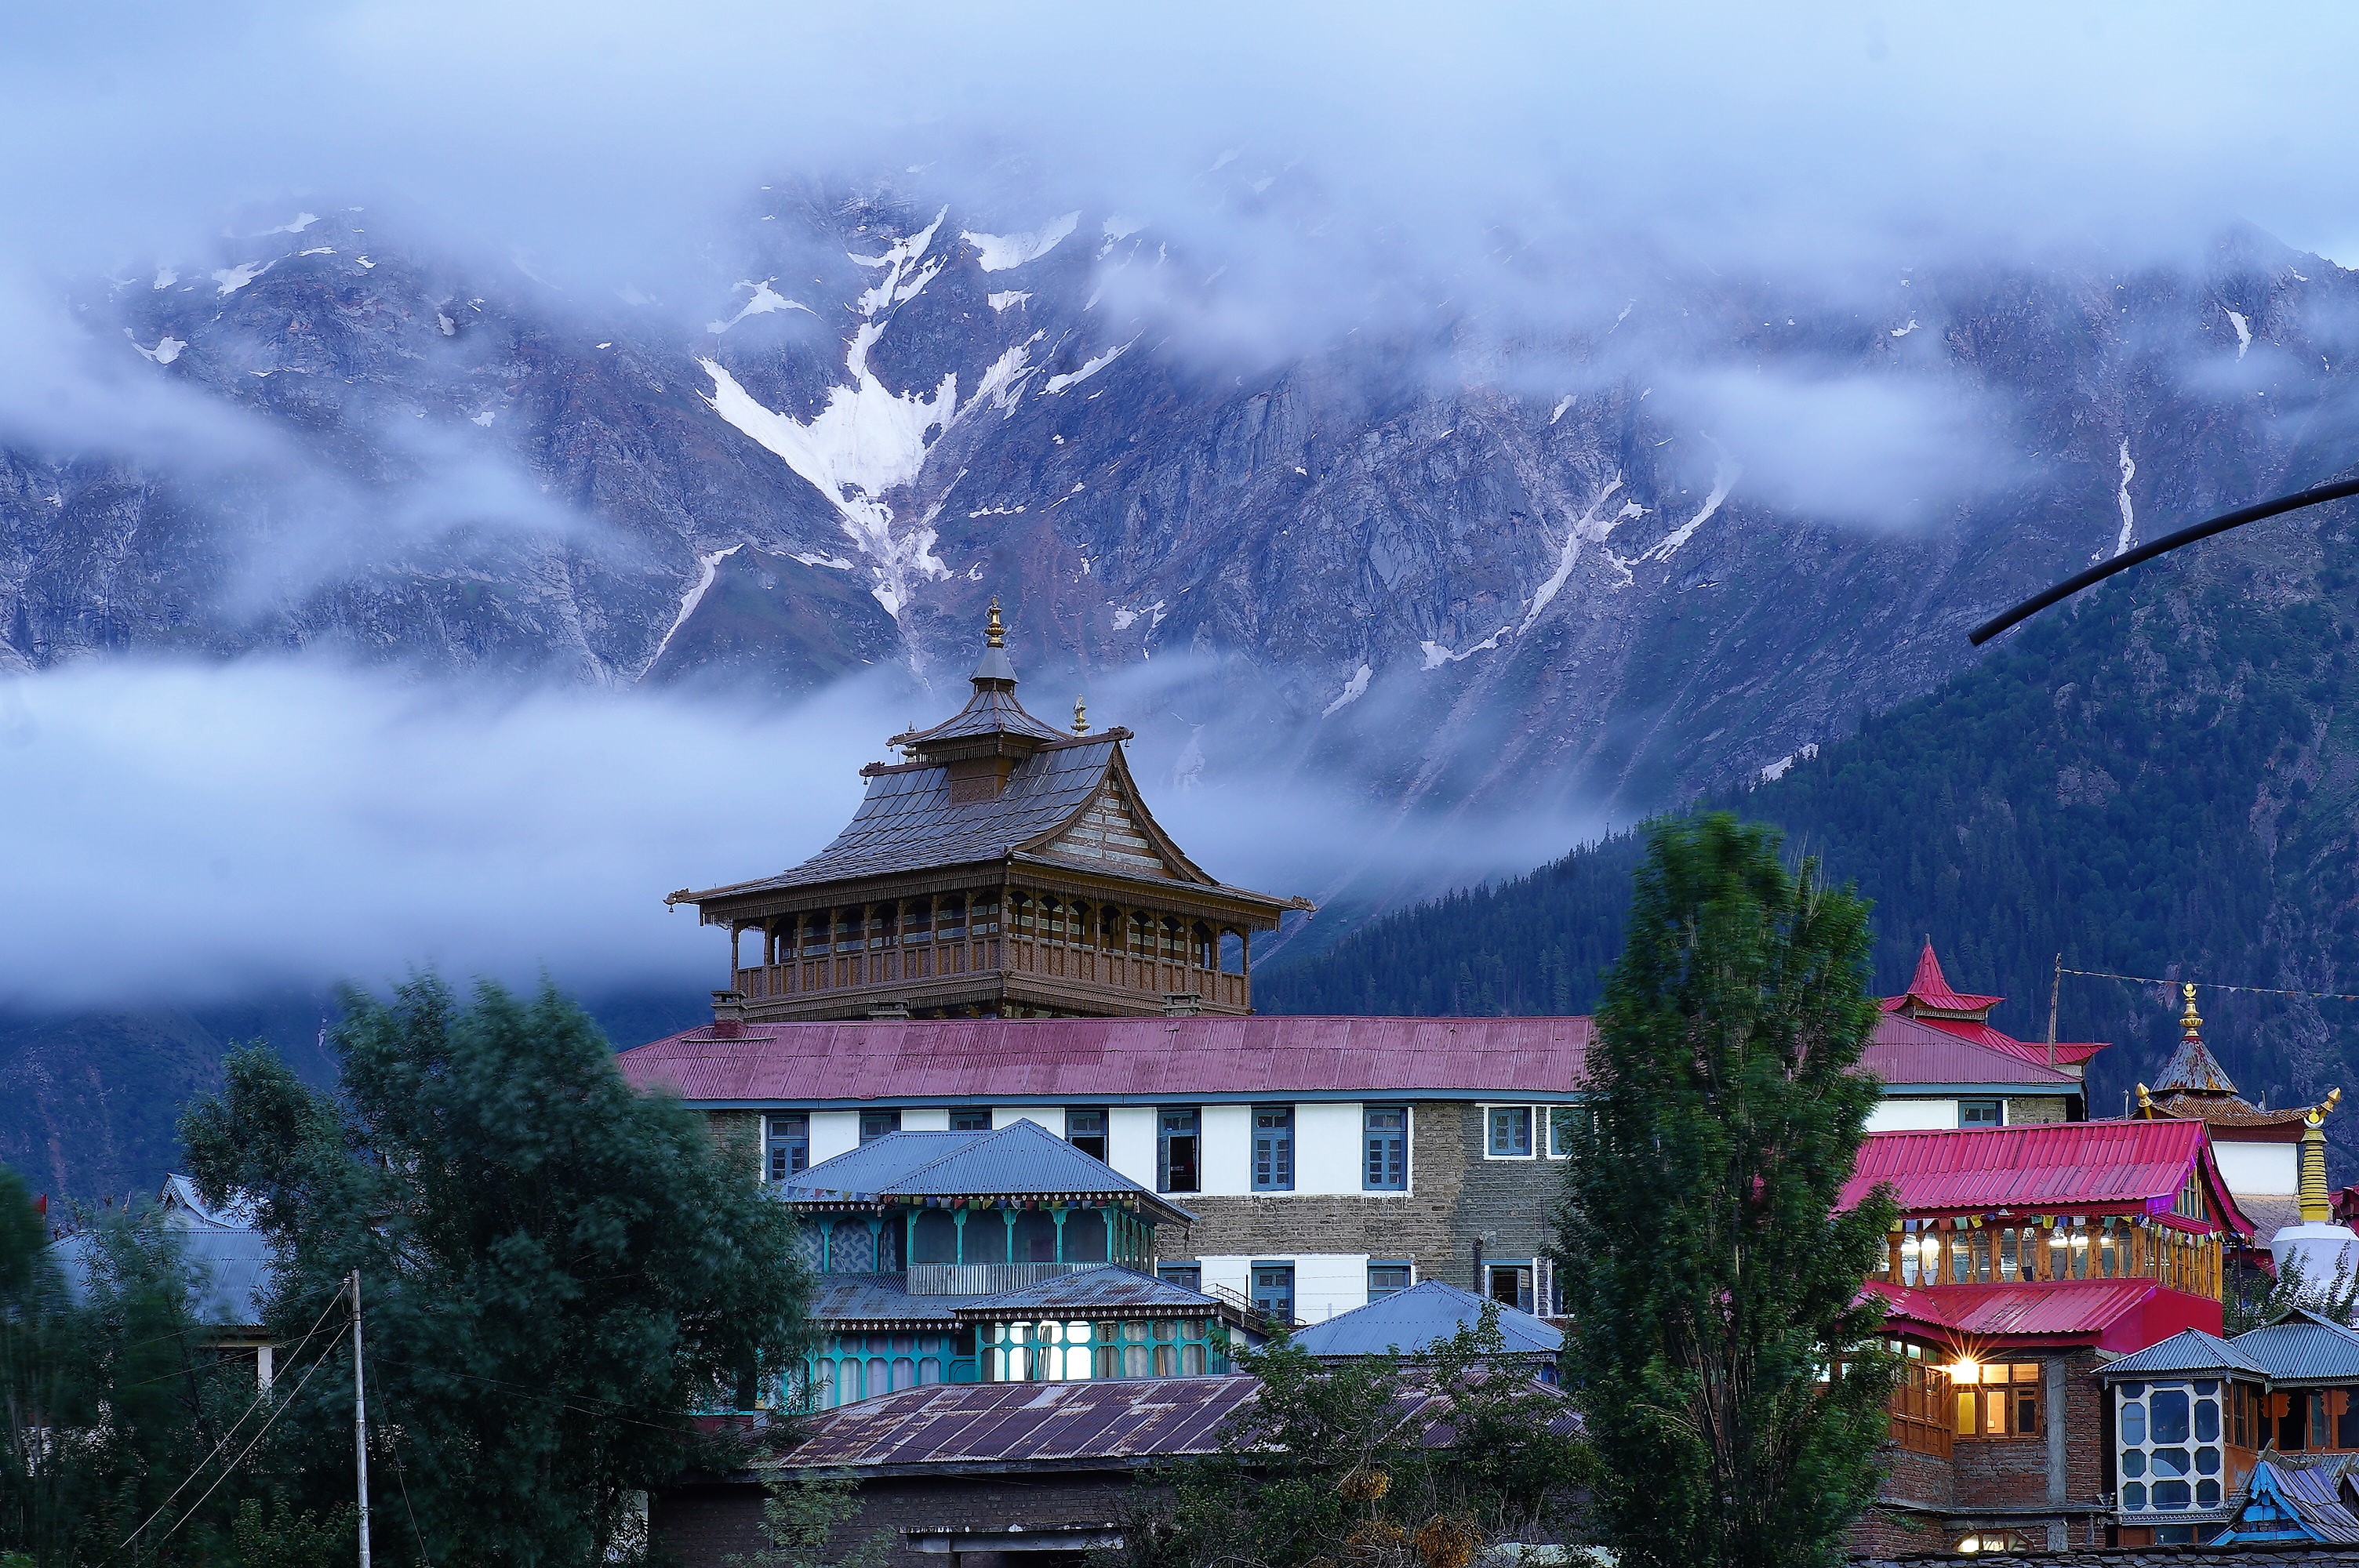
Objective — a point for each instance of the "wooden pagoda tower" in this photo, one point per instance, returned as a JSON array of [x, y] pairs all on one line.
[[1004, 868]]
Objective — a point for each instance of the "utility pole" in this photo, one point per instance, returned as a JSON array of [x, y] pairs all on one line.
[[360, 1418], [2053, 987]]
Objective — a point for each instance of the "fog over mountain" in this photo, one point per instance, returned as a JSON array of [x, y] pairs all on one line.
[[464, 475]]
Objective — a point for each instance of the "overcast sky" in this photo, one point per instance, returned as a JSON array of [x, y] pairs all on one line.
[[209, 827]]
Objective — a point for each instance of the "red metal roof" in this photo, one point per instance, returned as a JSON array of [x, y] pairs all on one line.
[[2120, 1315], [1919, 1051], [1082, 1058], [2068, 1052], [2128, 1167], [1929, 989]]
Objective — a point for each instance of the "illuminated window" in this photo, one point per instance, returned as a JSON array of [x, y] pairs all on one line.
[[1997, 1399]]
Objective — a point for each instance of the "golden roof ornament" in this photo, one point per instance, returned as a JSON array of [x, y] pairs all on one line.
[[994, 635], [1081, 717], [2188, 1022]]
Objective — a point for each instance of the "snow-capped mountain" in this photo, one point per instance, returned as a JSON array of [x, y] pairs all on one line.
[[1581, 565]]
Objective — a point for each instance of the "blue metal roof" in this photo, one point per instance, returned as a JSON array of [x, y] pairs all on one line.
[[1110, 1287], [1414, 1319], [2289, 1501], [2190, 1351], [1023, 1159], [846, 1299], [2303, 1347], [230, 1260]]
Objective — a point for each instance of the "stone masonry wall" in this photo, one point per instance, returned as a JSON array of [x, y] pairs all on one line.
[[1455, 1197]]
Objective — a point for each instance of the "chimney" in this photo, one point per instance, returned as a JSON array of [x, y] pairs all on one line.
[[1182, 1004], [728, 1015]]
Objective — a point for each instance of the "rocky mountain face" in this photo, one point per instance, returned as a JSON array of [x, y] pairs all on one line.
[[1456, 570], [1652, 543]]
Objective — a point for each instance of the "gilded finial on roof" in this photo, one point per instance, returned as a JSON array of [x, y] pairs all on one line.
[[2188, 1022], [1081, 717], [2323, 1108], [994, 635], [2146, 1101]]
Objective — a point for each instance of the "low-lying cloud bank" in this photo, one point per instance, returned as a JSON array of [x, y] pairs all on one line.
[[189, 832]]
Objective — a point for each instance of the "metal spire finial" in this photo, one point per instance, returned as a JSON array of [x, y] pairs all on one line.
[[1081, 717], [2188, 1022], [994, 635]]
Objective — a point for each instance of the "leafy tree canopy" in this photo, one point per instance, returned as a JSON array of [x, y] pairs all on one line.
[[556, 1271]]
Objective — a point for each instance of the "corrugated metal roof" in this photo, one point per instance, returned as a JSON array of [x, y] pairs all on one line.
[[2057, 1309], [1100, 1419], [2068, 1052], [1921, 1051], [1416, 1318], [1077, 1060], [2190, 1351], [1111, 1287], [878, 1299], [1021, 1159], [231, 1268], [2317, 1490], [2304, 1348], [2129, 1166]]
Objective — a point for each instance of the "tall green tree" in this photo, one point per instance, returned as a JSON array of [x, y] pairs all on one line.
[[110, 1396], [557, 1272], [1732, 1386]]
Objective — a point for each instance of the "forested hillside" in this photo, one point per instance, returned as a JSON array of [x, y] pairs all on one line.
[[2161, 780]]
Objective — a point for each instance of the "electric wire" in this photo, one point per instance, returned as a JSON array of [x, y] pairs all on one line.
[[231, 1468], [227, 1437], [2214, 986]]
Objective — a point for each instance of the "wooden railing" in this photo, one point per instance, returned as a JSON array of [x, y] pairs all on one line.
[[904, 965], [2081, 1248]]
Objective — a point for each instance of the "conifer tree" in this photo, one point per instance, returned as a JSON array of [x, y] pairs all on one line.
[[1713, 1285]]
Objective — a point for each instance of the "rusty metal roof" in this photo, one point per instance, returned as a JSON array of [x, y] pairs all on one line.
[[879, 1298], [1106, 1419], [1108, 1289]]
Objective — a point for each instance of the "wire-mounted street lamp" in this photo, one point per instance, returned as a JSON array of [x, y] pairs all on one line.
[[2168, 543]]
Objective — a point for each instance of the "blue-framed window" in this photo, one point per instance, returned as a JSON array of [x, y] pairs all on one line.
[[1272, 1290], [787, 1137], [970, 1118], [1510, 1134], [875, 1124], [1179, 1145], [1385, 1168], [1389, 1277], [1273, 1149]]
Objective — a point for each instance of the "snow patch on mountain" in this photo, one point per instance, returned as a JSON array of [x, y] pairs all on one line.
[[2244, 330], [765, 301], [1589, 528], [1724, 480], [1778, 769], [1436, 656], [168, 348], [1007, 299], [2122, 501], [233, 278], [1056, 383], [1354, 689], [708, 568], [166, 277], [999, 253]]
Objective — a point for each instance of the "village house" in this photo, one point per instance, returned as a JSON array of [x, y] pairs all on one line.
[[228, 1262], [2023, 1261], [992, 1256]]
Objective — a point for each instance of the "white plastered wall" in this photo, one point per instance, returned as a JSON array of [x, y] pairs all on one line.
[[1228, 1149], [1130, 1137], [2263, 1170], [926, 1119], [1051, 1117], [833, 1132], [1325, 1283], [1327, 1148], [1912, 1114]]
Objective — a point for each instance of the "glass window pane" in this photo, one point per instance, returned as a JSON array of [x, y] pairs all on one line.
[[2207, 1421], [2171, 1461], [2134, 1495], [1511, 1130], [2171, 1494], [2133, 1462], [2170, 1413], [2207, 1494], [2132, 1423]]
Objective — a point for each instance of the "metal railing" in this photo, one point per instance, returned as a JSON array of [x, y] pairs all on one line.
[[984, 1279]]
